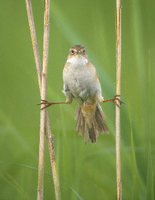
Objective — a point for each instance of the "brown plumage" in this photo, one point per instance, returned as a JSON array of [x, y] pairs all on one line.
[[82, 84], [90, 127]]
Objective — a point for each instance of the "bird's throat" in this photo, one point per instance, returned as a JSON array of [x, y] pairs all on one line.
[[77, 60]]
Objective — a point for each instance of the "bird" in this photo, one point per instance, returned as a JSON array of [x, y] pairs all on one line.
[[81, 83]]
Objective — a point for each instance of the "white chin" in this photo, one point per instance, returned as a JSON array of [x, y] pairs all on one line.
[[81, 60]]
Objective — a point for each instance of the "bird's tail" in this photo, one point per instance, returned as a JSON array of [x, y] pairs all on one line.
[[90, 122]]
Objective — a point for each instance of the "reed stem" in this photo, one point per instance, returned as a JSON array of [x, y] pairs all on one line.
[[118, 81], [38, 68]]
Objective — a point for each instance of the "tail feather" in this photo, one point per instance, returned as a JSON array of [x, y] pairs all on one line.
[[92, 133], [97, 126], [100, 118]]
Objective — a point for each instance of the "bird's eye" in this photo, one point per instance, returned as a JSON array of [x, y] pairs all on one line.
[[72, 51], [84, 50]]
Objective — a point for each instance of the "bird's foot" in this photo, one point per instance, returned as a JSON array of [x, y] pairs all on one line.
[[46, 103], [116, 100]]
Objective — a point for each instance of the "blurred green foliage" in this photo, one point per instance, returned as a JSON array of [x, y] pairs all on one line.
[[86, 171]]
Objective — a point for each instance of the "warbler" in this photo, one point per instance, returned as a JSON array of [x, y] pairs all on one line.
[[82, 84]]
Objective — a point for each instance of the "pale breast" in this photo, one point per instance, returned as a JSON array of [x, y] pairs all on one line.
[[80, 80]]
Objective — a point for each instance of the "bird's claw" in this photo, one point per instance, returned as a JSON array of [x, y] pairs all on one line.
[[44, 102], [115, 99]]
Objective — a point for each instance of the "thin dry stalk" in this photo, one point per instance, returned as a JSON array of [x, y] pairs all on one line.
[[38, 68], [34, 40], [52, 159], [43, 96], [118, 80]]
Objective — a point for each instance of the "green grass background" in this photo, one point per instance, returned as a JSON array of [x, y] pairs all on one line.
[[86, 171]]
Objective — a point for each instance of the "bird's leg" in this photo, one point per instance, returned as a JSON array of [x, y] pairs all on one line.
[[47, 103], [114, 100]]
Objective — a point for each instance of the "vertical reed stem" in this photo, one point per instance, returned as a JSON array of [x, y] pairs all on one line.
[[38, 68], [118, 80], [34, 40], [43, 96]]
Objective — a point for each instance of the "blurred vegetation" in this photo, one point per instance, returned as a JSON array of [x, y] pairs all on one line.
[[86, 171]]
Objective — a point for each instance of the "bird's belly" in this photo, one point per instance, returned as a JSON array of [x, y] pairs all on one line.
[[81, 85]]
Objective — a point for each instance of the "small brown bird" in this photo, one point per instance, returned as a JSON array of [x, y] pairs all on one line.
[[82, 84]]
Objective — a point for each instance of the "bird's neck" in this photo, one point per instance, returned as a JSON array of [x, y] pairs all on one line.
[[77, 60]]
